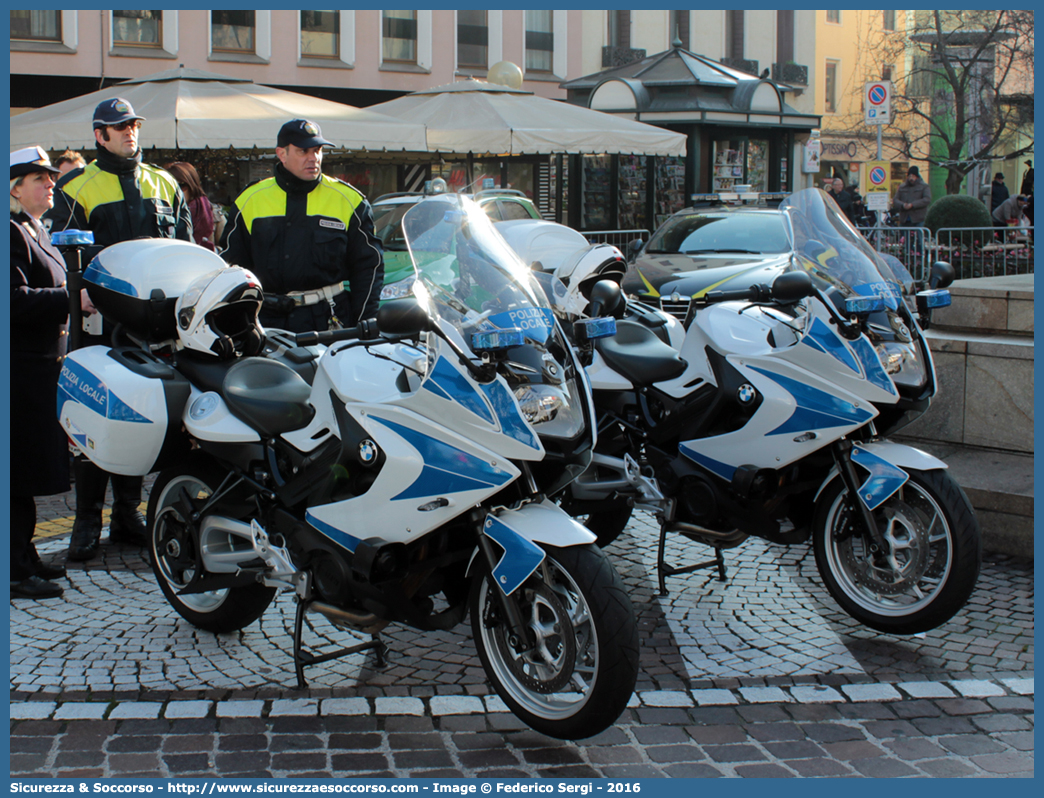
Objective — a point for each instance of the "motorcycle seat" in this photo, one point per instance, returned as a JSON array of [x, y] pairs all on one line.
[[639, 355], [268, 395]]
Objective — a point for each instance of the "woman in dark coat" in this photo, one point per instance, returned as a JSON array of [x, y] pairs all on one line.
[[39, 316]]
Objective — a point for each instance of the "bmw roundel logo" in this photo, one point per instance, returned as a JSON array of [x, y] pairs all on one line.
[[367, 452], [746, 393]]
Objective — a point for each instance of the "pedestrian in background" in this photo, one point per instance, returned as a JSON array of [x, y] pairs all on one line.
[[69, 160], [199, 206], [118, 198], [1009, 212], [998, 192], [841, 197], [912, 199], [39, 326], [1027, 180], [304, 234]]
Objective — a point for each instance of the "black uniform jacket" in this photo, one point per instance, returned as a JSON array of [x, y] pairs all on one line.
[[297, 235], [39, 315]]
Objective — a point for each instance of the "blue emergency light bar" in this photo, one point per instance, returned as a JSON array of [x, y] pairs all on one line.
[[862, 305], [72, 238], [933, 298], [592, 329], [497, 340]]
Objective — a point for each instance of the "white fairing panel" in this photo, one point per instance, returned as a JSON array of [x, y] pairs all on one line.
[[207, 418]]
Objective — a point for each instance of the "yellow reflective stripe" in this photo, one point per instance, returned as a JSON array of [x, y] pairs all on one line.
[[335, 199], [157, 183], [93, 188], [261, 200], [650, 291]]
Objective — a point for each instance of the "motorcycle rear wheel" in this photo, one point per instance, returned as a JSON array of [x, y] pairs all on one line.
[[581, 672], [173, 545], [937, 552]]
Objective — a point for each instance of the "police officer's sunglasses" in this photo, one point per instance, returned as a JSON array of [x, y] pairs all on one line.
[[130, 123]]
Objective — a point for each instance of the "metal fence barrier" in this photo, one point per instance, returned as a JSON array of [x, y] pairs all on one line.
[[985, 251], [618, 238], [911, 245]]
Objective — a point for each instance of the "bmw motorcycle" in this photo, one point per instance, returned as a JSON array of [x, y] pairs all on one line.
[[402, 471], [767, 411]]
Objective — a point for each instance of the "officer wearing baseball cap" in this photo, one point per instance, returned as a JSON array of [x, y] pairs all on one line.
[[305, 234], [118, 198]]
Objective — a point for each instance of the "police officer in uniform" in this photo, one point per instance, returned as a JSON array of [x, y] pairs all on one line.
[[304, 234], [118, 198]]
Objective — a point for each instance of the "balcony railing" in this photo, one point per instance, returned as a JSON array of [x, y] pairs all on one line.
[[790, 72], [620, 56], [742, 64]]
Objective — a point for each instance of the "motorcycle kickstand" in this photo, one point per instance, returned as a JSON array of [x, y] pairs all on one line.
[[304, 658], [664, 569]]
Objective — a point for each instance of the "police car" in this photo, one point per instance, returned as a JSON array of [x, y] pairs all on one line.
[[722, 241]]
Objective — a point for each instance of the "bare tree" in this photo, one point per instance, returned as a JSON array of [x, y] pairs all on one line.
[[968, 87]]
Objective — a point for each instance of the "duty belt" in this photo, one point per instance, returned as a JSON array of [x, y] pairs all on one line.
[[316, 295]]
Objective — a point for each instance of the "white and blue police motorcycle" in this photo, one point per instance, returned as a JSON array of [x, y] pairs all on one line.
[[767, 412], [402, 471]]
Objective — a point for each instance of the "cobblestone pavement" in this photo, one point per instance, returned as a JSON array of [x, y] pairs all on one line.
[[760, 675]]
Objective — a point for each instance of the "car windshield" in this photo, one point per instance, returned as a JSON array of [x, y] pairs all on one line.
[[722, 232]]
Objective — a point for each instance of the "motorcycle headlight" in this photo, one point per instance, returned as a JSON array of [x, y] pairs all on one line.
[[548, 407], [398, 290], [902, 364]]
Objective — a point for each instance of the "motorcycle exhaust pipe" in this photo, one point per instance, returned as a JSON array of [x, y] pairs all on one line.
[[725, 540], [362, 622]]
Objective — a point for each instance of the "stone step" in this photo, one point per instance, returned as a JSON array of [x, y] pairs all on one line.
[[1002, 305], [999, 485]]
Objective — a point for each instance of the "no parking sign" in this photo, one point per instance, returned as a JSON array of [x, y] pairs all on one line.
[[878, 184], [877, 102]]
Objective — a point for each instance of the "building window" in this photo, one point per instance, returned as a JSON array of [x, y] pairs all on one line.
[[834, 17], [472, 39], [540, 41], [886, 71], [784, 36], [830, 89], [679, 22], [137, 28], [888, 20], [320, 34], [37, 26], [232, 31], [399, 32], [619, 28], [734, 34]]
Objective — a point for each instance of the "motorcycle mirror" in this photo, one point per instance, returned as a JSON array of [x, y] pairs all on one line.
[[942, 275], [791, 286], [605, 299], [402, 317], [634, 247]]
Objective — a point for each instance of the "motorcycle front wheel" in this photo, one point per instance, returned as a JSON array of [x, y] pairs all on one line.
[[579, 671], [930, 571], [174, 545]]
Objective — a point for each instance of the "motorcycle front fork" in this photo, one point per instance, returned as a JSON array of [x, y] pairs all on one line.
[[842, 451]]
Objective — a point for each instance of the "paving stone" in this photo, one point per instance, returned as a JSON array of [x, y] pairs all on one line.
[[297, 706], [712, 697], [32, 710], [883, 768], [871, 692], [456, 705], [187, 709], [815, 694], [765, 695], [69, 711], [765, 771], [970, 744], [926, 689], [948, 768], [1019, 685], [914, 748], [666, 698], [818, 767]]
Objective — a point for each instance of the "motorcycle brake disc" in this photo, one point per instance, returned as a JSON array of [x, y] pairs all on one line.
[[895, 572], [555, 644]]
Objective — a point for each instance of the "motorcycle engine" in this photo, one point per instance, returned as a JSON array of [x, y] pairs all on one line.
[[331, 577]]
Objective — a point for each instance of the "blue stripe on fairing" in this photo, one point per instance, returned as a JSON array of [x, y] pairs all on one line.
[[96, 274], [447, 382], [885, 478], [723, 470], [511, 421], [78, 384], [821, 337], [446, 469], [815, 409], [875, 373], [521, 556], [338, 536]]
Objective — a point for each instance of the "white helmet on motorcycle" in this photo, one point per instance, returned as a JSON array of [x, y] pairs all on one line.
[[217, 314]]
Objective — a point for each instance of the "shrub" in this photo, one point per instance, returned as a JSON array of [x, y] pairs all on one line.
[[958, 210]]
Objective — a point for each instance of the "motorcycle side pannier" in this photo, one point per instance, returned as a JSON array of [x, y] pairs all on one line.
[[137, 283], [122, 408]]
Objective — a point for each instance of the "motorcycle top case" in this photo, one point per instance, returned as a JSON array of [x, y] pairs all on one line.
[[137, 283], [122, 408]]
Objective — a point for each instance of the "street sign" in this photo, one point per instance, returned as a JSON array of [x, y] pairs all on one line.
[[877, 200], [878, 176], [877, 102]]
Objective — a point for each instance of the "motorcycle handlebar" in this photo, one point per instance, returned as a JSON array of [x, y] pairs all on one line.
[[366, 330], [756, 293]]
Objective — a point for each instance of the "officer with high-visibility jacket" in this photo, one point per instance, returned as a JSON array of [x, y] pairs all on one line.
[[118, 198], [304, 234]]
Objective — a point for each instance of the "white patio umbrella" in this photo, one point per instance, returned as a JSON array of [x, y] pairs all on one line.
[[193, 109], [482, 118]]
